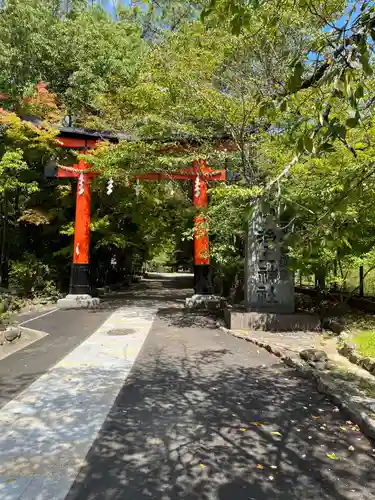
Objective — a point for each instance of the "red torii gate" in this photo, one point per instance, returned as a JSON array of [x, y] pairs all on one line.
[[200, 174]]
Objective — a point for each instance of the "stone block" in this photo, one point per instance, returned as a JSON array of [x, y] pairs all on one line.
[[354, 358], [205, 302], [366, 363], [12, 333], [336, 326], [280, 322], [78, 302], [315, 355]]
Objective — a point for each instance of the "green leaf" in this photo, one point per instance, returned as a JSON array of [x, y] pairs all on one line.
[[345, 240], [327, 147], [296, 79], [263, 109], [308, 143], [236, 24], [352, 122], [300, 145], [359, 93], [266, 108], [366, 64], [283, 105], [341, 131]]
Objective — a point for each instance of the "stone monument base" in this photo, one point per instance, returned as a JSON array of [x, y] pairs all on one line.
[[206, 302], [83, 301], [272, 322]]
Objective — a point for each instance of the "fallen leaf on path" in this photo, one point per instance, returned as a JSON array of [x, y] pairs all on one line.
[[349, 422], [243, 429], [202, 466], [276, 433], [351, 448], [270, 478], [257, 424], [273, 466], [315, 417], [343, 428], [260, 466], [156, 441], [244, 332], [332, 456]]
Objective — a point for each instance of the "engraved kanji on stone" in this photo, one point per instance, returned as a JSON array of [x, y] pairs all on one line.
[[261, 294], [273, 270], [272, 295], [283, 260]]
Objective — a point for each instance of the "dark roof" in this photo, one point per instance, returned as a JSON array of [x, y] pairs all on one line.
[[87, 134], [82, 133]]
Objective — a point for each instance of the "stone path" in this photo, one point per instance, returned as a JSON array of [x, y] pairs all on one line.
[[198, 414]]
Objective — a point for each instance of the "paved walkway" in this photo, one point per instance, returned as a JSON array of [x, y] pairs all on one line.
[[159, 404]]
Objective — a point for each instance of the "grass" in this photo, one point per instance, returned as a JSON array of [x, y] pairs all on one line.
[[365, 342], [356, 382]]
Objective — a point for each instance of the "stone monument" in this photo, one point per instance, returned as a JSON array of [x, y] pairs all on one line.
[[269, 283]]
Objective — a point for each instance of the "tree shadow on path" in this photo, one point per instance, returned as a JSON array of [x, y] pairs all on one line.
[[194, 425]]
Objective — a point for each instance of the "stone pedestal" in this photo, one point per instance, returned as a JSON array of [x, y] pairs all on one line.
[[271, 322], [83, 301], [269, 284]]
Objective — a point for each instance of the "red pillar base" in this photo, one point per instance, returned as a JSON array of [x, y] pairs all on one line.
[[80, 279], [202, 280]]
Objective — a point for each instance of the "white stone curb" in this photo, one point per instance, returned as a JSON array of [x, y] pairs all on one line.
[[357, 412], [350, 352]]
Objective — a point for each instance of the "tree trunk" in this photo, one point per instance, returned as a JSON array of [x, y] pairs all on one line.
[[320, 279], [4, 260], [361, 282]]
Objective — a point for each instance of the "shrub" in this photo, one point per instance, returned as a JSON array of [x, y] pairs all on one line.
[[32, 277]]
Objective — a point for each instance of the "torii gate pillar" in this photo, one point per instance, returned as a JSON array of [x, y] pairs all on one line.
[[202, 274], [79, 287]]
